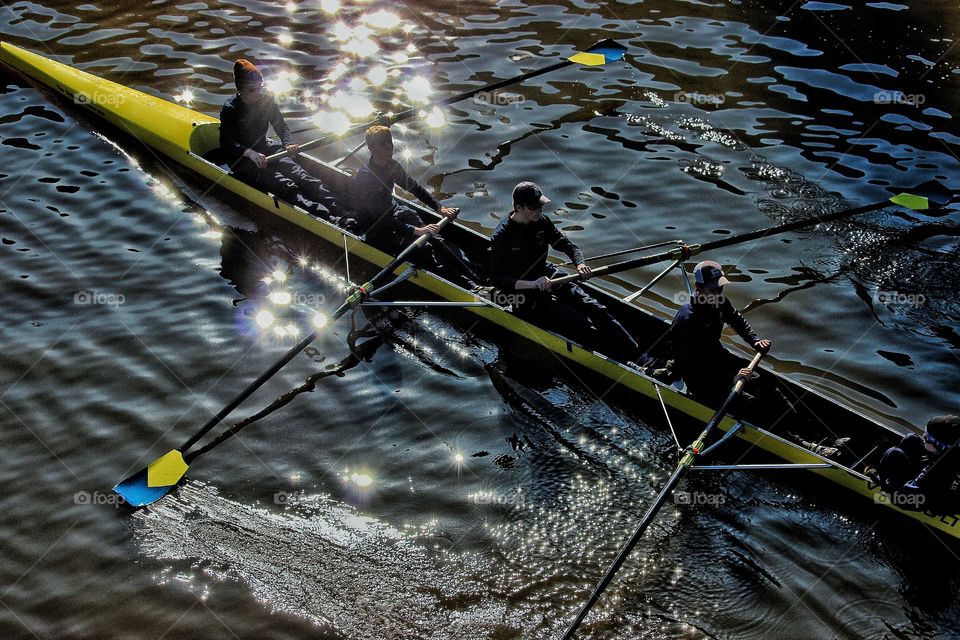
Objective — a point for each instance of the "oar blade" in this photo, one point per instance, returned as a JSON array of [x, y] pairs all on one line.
[[157, 480], [601, 53]]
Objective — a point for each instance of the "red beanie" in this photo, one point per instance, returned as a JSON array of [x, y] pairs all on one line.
[[245, 72]]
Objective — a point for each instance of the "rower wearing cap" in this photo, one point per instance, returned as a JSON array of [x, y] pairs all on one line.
[[244, 120], [699, 358], [519, 269], [923, 473]]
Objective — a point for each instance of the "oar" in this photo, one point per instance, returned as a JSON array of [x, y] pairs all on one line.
[[689, 457], [598, 54], [908, 200], [162, 475]]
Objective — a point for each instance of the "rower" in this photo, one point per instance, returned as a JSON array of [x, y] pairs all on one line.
[[520, 271], [390, 225], [244, 120], [923, 473], [707, 367], [698, 356]]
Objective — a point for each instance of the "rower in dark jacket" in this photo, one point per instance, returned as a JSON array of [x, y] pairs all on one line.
[[923, 473], [522, 276], [706, 367], [390, 225], [244, 120]]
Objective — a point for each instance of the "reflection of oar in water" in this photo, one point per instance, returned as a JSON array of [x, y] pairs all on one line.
[[936, 194], [598, 54], [163, 474], [689, 457]]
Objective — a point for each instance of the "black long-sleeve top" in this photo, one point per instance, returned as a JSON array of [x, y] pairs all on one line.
[[695, 334], [243, 126], [519, 251], [373, 190]]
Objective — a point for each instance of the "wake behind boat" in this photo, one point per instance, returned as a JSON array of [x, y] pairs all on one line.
[[190, 138]]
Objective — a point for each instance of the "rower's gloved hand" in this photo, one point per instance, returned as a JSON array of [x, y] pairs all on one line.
[[584, 271], [763, 346], [256, 158]]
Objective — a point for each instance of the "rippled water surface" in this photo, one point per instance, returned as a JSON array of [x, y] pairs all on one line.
[[410, 498]]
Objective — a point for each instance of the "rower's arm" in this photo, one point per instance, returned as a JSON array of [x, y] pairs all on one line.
[[411, 185], [228, 128], [279, 125], [736, 320], [562, 243]]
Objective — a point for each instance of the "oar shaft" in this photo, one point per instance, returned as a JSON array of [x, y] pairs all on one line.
[[352, 301], [625, 551], [689, 457], [663, 256], [406, 114]]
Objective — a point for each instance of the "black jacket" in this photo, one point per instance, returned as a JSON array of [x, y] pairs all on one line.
[[519, 251], [695, 336], [244, 127]]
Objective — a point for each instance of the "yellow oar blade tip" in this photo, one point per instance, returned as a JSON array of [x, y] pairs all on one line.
[[166, 470], [911, 201], [588, 59]]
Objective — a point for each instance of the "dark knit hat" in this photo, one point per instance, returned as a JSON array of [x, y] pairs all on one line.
[[943, 431], [245, 72]]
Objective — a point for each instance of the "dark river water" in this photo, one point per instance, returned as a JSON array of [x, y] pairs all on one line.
[[390, 502]]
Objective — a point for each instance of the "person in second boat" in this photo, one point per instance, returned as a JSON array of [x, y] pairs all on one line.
[[389, 225], [522, 275], [244, 121]]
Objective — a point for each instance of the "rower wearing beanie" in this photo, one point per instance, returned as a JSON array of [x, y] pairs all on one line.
[[244, 120], [923, 472]]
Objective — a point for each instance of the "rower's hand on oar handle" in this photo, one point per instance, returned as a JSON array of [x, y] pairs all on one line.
[[292, 149], [745, 374], [584, 271], [450, 212], [432, 229], [256, 158], [763, 346]]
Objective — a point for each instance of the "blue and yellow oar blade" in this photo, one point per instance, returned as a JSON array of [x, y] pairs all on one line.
[[601, 53], [157, 480]]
